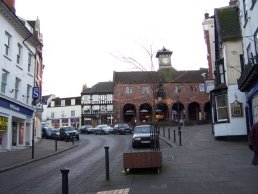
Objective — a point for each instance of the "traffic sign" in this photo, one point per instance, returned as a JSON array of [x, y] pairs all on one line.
[[35, 93]]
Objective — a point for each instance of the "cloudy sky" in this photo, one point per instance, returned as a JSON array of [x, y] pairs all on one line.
[[81, 37]]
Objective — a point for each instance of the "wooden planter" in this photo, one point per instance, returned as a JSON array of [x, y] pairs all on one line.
[[149, 159]]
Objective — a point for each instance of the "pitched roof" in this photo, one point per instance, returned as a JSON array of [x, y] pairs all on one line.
[[166, 75], [227, 22], [101, 87]]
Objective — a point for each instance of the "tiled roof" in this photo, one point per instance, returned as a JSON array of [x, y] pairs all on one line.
[[135, 77], [166, 75], [101, 87], [227, 22]]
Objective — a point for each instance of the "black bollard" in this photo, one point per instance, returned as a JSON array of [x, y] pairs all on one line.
[[174, 135], [56, 145], [163, 131], [107, 162], [168, 133], [64, 172], [180, 140]]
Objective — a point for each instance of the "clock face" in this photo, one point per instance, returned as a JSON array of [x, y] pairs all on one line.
[[165, 60]]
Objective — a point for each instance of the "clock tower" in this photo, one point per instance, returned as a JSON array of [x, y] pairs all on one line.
[[164, 56]]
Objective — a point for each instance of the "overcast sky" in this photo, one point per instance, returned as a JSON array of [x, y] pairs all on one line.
[[80, 37]]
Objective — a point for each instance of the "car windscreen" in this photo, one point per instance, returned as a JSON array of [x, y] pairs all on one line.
[[69, 129], [123, 125], [142, 129]]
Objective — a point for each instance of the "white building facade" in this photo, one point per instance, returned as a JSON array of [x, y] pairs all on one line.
[[60, 112], [228, 102], [17, 63]]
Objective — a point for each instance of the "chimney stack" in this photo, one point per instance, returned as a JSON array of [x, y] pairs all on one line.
[[206, 15], [11, 5]]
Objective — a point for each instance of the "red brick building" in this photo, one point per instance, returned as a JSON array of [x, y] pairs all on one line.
[[163, 95]]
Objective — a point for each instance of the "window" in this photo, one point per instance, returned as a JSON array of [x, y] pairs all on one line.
[[128, 90], [193, 88], [177, 89], [255, 108], [62, 102], [245, 10], [109, 97], [72, 101], [221, 105], [221, 74], [7, 44], [30, 60], [4, 81], [19, 54], [52, 103], [145, 90], [249, 52], [253, 2], [28, 93], [17, 87], [52, 115], [72, 113]]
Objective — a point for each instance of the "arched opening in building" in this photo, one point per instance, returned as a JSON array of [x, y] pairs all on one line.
[[161, 112], [178, 111], [194, 111], [129, 113], [207, 111], [145, 113]]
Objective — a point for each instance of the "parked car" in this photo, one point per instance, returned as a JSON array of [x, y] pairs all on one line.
[[46, 132], [142, 136], [86, 129], [108, 130], [100, 129], [69, 132], [122, 128], [55, 134]]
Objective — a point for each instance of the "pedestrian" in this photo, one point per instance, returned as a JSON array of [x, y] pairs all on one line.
[[253, 142]]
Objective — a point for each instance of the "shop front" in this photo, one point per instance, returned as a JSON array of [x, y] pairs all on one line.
[[15, 125]]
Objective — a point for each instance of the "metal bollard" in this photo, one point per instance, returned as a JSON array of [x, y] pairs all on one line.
[[107, 162], [56, 145], [163, 131], [169, 133], [65, 172], [174, 135]]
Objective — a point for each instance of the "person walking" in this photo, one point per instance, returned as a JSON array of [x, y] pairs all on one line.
[[253, 142]]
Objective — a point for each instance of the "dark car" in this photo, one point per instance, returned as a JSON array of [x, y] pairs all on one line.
[[142, 136], [46, 132], [55, 134], [86, 129], [68, 132], [122, 128]]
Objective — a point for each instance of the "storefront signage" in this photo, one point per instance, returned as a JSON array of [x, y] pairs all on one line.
[[16, 107], [74, 120], [55, 120]]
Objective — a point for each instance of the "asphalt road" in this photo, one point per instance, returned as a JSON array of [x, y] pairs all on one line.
[[85, 163]]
